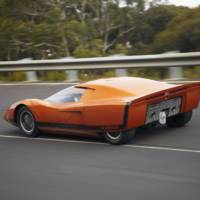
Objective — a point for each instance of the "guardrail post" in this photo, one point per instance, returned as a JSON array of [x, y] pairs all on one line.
[[121, 72], [175, 73], [31, 76], [72, 75]]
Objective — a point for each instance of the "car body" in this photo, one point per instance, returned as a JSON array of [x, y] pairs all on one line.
[[108, 106]]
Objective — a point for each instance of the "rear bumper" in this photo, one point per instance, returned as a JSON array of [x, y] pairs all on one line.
[[170, 107], [138, 109]]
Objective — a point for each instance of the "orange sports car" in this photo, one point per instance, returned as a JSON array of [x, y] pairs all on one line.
[[112, 107]]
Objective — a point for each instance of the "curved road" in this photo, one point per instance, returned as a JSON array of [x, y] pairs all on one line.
[[159, 164]]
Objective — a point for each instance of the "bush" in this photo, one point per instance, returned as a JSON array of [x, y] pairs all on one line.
[[191, 72], [153, 73], [13, 76], [52, 76]]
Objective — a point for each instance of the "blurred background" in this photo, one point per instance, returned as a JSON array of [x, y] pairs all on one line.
[[70, 29]]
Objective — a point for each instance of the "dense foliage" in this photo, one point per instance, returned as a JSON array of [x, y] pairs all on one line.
[[46, 29]]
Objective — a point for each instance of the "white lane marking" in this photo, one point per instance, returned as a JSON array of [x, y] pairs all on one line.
[[163, 148], [36, 83], [51, 139], [101, 143]]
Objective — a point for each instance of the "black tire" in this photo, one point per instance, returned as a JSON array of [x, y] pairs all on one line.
[[26, 122], [119, 137], [179, 120]]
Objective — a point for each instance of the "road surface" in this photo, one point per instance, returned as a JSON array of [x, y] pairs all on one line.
[[159, 163]]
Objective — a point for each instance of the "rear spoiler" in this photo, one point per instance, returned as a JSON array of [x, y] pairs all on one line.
[[173, 91]]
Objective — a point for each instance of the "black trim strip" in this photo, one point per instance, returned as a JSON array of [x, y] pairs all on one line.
[[88, 127], [125, 120], [67, 126]]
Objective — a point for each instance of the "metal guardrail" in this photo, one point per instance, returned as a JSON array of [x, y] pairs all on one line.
[[172, 60], [160, 60]]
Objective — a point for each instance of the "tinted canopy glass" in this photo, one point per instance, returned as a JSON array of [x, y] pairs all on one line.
[[71, 94]]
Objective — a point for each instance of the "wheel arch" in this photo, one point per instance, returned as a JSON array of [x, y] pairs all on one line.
[[17, 109], [30, 104]]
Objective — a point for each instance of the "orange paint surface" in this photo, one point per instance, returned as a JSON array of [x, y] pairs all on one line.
[[108, 104]]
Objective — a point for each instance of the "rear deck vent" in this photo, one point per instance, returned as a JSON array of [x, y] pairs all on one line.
[[177, 90], [156, 96]]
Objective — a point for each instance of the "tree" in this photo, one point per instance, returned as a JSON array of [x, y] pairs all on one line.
[[45, 29], [149, 24], [182, 33]]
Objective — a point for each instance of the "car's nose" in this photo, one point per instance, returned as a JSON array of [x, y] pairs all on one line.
[[6, 114]]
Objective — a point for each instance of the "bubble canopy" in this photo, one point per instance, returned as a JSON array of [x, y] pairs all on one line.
[[71, 94]]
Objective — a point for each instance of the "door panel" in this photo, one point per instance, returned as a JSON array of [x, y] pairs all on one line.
[[71, 113], [66, 113]]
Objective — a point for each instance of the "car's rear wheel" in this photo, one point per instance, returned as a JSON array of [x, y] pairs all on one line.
[[26, 122], [179, 120], [119, 137]]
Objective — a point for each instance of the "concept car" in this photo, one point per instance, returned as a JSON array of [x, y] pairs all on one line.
[[112, 107]]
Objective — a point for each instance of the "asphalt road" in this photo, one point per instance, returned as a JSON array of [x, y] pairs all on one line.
[[159, 164]]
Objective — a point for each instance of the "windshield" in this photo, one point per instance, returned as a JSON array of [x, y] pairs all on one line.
[[71, 94]]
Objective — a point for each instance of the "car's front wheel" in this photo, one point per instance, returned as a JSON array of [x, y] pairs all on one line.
[[26, 122], [179, 120], [119, 137]]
